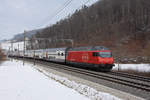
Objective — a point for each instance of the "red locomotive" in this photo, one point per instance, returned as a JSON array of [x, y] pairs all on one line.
[[97, 56]]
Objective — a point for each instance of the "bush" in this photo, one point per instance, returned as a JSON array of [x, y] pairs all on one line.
[[2, 56]]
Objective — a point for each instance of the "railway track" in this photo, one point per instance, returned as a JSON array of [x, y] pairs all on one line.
[[111, 77], [133, 81], [131, 76], [107, 77]]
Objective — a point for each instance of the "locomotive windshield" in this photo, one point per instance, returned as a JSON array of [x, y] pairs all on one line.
[[105, 54]]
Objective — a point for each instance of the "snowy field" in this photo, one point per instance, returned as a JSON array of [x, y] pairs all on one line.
[[135, 67], [20, 82], [17, 45]]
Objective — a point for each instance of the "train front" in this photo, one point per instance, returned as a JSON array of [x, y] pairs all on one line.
[[106, 60]]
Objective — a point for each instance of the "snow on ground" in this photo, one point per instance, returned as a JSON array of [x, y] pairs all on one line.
[[7, 45], [18, 82], [136, 67], [82, 89]]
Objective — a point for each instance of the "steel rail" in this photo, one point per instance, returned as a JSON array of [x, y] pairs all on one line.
[[104, 76], [135, 77]]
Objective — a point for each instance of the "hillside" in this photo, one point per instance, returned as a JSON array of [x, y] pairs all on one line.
[[121, 25], [29, 34]]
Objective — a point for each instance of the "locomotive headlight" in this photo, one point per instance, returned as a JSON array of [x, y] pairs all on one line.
[[101, 61]]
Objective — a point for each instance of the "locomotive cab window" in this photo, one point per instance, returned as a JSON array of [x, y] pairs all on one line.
[[105, 54], [95, 54]]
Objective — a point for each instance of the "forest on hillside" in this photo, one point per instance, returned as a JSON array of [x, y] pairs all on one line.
[[121, 25]]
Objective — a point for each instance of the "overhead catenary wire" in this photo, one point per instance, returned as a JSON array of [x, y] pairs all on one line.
[[82, 4], [78, 7], [69, 2], [66, 4]]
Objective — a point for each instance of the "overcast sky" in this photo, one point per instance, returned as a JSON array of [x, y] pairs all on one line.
[[19, 15]]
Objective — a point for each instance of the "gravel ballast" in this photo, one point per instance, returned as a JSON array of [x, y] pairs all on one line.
[[98, 87]]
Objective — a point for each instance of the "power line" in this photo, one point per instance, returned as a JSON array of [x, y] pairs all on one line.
[[67, 3], [81, 5], [60, 9], [63, 8]]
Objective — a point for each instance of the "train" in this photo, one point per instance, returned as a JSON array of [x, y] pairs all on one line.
[[98, 57]]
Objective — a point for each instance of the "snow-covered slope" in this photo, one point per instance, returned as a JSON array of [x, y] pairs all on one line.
[[135, 67], [18, 82]]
